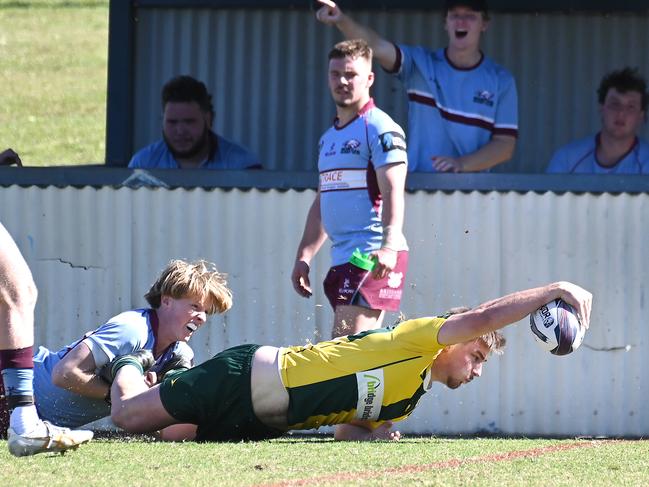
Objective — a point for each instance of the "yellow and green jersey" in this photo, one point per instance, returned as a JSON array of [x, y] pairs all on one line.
[[376, 375]]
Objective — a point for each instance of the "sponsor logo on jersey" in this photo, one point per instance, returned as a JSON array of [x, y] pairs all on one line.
[[370, 394], [352, 146], [392, 141], [484, 97], [331, 151], [343, 179]]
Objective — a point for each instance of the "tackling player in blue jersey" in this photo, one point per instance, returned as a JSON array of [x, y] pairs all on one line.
[[360, 200], [463, 107], [616, 148], [71, 385]]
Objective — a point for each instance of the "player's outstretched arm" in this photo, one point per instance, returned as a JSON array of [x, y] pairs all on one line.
[[384, 51], [498, 313]]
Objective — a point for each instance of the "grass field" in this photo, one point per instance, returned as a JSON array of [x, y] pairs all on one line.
[[320, 461], [53, 78]]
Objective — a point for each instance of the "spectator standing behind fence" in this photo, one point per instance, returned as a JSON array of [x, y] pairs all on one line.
[[188, 140], [616, 148], [463, 107]]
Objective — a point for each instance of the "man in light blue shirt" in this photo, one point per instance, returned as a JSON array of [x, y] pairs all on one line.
[[616, 149], [360, 202], [188, 141]]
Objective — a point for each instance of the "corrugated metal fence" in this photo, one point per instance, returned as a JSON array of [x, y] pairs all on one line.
[[94, 252], [267, 72]]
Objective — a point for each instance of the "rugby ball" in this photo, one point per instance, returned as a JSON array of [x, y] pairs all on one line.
[[556, 328]]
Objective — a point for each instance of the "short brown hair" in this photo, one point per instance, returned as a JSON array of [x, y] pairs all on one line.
[[199, 279], [353, 48]]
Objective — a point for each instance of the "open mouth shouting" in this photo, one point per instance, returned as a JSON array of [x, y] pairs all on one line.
[[191, 326], [461, 33]]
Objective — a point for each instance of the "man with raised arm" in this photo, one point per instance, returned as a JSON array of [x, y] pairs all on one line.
[[463, 107]]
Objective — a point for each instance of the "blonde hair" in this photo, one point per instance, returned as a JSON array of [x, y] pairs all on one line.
[[495, 341], [199, 279]]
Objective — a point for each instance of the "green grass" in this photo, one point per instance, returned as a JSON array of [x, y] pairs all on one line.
[[53, 78], [320, 461]]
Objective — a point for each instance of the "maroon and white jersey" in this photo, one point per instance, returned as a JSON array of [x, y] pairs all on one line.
[[350, 200]]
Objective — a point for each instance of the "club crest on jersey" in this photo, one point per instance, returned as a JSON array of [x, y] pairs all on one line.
[[484, 97], [352, 146], [392, 141]]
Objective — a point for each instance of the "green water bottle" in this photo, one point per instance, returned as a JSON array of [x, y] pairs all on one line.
[[364, 261]]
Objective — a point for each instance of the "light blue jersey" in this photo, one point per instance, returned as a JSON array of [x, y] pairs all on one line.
[[453, 111], [122, 334], [580, 156], [224, 154], [350, 199]]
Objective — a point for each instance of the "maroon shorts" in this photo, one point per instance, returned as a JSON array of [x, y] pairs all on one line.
[[347, 284]]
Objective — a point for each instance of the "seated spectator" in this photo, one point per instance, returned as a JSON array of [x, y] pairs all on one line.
[[616, 149], [9, 157], [188, 140]]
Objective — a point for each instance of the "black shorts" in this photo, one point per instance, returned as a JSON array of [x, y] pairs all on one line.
[[215, 395]]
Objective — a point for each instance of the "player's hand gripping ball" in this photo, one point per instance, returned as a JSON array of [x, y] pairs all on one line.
[[556, 328]]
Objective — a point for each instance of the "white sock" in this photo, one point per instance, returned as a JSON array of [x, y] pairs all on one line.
[[25, 420]]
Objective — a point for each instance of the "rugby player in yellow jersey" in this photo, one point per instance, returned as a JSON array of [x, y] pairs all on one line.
[[364, 381]]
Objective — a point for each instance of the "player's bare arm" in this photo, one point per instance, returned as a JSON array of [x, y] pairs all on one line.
[[76, 373], [384, 51], [498, 150], [391, 180], [496, 314], [313, 237]]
